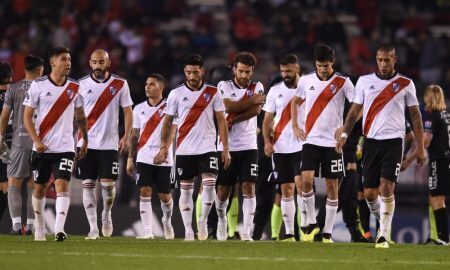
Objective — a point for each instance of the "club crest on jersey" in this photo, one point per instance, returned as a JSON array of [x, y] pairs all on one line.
[[137, 175], [275, 175], [333, 88], [180, 171], [112, 90], [250, 93], [160, 112], [207, 97], [70, 93], [395, 87]]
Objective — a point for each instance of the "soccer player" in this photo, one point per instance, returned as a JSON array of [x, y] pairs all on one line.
[[103, 94], [6, 74], [19, 168], [243, 100], [56, 101], [145, 141], [324, 93], [195, 104], [284, 147], [436, 121], [384, 96]]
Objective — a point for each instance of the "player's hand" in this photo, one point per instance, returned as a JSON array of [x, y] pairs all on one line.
[[123, 145], [40, 147], [421, 156], [258, 99], [130, 167], [405, 164], [268, 149], [341, 140], [230, 122], [83, 150], [226, 158], [299, 133], [162, 155]]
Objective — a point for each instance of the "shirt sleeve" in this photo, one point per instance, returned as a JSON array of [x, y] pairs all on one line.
[[172, 104], [218, 102], [32, 96], [299, 92], [349, 89], [427, 122], [78, 100], [259, 89], [269, 106], [359, 92], [136, 123], [9, 98], [125, 97], [411, 98], [223, 88]]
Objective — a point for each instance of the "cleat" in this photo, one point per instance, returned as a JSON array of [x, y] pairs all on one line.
[[313, 229], [381, 242], [189, 236], [302, 234], [357, 237], [168, 231], [60, 237], [246, 237], [326, 238], [289, 238], [222, 229], [274, 239], [236, 236], [434, 242], [202, 233], [92, 235], [39, 234], [146, 236], [107, 227]]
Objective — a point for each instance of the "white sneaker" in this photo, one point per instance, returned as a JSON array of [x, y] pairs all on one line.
[[92, 235], [107, 227], [246, 237], [222, 233], [39, 234], [146, 236], [168, 230], [189, 236], [202, 227]]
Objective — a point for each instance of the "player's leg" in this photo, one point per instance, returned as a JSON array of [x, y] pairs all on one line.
[[164, 193], [185, 173], [439, 189], [248, 175], [144, 175], [108, 172], [29, 227], [225, 181], [371, 174], [233, 213], [3, 189], [276, 218], [15, 204]]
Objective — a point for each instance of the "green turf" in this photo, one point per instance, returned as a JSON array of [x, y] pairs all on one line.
[[20, 252]]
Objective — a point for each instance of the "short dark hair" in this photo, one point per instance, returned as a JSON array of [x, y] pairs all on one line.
[[56, 51], [5, 73], [289, 59], [246, 58], [323, 53], [193, 60], [32, 62], [386, 47], [159, 78]]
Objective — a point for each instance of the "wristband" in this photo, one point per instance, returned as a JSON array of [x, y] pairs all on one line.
[[344, 135]]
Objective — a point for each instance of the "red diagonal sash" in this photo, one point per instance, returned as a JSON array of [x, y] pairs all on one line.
[[284, 120], [194, 114], [248, 94], [58, 109], [382, 99], [103, 101], [322, 101], [151, 126]]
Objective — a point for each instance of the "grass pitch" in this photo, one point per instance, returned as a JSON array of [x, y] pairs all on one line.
[[21, 252]]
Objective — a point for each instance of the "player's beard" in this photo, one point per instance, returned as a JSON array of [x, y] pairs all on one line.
[[243, 81], [289, 81], [99, 73], [193, 83]]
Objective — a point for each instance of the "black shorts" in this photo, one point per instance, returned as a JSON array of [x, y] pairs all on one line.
[[243, 167], [326, 159], [98, 164], [381, 159], [190, 166], [3, 172], [286, 167], [439, 180], [59, 164], [157, 177]]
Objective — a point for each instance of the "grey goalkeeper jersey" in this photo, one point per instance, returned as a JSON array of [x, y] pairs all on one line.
[[14, 98]]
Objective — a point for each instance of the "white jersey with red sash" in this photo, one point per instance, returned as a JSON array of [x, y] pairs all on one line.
[[242, 135], [324, 106], [102, 101], [55, 108], [278, 101], [384, 102], [194, 110], [148, 119]]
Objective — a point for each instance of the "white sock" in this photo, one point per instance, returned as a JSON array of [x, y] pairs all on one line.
[[108, 194], [248, 211], [62, 207], [310, 205], [167, 209], [288, 212], [90, 203], [387, 209], [145, 208], [374, 207], [221, 208], [186, 204], [208, 196], [30, 212], [330, 210], [38, 208], [302, 212], [15, 207]]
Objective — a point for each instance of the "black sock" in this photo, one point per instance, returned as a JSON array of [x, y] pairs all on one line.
[[3, 202], [364, 215], [440, 216]]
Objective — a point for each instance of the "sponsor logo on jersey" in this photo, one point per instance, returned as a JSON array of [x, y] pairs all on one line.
[[233, 95], [312, 88], [427, 124], [372, 87], [48, 94], [90, 91], [185, 99], [280, 95]]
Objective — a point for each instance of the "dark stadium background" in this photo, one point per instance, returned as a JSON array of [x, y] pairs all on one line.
[[148, 36]]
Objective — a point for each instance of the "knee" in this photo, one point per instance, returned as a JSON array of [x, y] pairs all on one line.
[[145, 192]]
